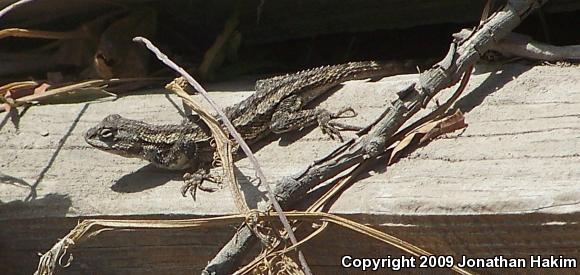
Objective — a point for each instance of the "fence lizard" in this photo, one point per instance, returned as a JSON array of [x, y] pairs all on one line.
[[277, 106]]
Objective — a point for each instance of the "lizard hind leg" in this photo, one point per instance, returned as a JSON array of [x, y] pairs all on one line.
[[290, 117]]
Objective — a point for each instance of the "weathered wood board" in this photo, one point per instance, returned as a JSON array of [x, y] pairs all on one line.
[[509, 184]]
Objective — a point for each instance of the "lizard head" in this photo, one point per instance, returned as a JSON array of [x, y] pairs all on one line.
[[117, 135]]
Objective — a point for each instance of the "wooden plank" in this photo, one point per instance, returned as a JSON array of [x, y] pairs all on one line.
[[506, 185]]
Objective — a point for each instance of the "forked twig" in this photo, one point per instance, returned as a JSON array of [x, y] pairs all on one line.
[[462, 55], [223, 145]]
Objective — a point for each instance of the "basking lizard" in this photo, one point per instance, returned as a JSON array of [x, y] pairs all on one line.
[[277, 106]]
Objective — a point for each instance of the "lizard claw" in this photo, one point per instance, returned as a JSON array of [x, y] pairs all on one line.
[[194, 181], [342, 113], [333, 128], [332, 132]]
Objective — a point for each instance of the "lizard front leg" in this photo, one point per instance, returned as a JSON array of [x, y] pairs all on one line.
[[185, 154], [199, 169], [290, 116]]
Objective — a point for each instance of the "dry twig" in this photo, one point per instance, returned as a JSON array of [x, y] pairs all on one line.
[[223, 145], [12, 6], [520, 45], [462, 56], [232, 130], [88, 229]]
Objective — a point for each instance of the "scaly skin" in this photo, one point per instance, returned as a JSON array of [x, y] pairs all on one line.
[[278, 103], [174, 147]]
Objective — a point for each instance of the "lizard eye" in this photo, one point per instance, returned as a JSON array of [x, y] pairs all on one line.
[[106, 133]]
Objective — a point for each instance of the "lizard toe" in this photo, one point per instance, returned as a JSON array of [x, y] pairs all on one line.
[[347, 112], [194, 181]]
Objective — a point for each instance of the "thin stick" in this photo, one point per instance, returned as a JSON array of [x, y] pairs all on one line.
[[235, 135], [25, 33], [13, 6]]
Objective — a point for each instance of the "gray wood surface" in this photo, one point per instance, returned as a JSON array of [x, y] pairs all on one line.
[[508, 184]]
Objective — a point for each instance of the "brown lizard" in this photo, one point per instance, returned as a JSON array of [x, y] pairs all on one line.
[[277, 106]]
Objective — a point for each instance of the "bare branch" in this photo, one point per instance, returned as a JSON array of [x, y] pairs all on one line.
[[520, 45], [462, 55]]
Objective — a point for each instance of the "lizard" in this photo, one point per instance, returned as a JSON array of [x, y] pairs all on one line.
[[277, 106]]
